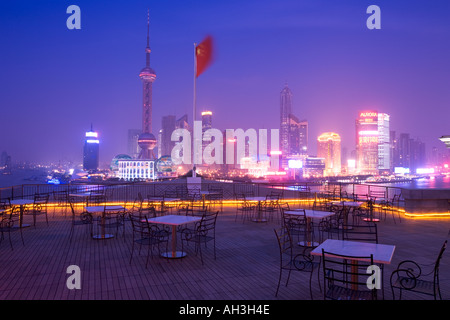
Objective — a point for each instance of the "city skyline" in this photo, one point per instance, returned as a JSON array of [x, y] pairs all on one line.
[[334, 66]]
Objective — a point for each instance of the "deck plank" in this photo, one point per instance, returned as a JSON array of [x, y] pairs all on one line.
[[246, 266]]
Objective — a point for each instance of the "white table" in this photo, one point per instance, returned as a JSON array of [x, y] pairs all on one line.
[[310, 214], [259, 217], [22, 203], [174, 221], [97, 209], [382, 253]]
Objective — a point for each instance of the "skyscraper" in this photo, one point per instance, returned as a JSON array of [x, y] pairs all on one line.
[[329, 148], [91, 151], [147, 140], [168, 126], [367, 142], [297, 136], [294, 135], [206, 125], [303, 140], [206, 120], [384, 144], [133, 149], [285, 111]]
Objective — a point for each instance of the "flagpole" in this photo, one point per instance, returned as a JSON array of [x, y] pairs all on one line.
[[194, 174]]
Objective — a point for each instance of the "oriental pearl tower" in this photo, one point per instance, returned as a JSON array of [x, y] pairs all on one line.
[[146, 139]]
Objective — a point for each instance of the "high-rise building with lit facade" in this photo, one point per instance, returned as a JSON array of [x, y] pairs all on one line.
[[133, 149], [168, 125], [384, 143], [303, 139], [329, 148], [294, 136], [206, 125], [285, 111], [367, 142], [91, 151]]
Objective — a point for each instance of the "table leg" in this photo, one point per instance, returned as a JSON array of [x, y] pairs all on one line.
[[308, 242], [259, 217], [103, 235], [173, 254], [21, 213], [371, 218], [354, 274]]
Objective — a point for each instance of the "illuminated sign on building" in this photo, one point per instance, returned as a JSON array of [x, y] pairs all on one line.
[[401, 170], [91, 134], [368, 114], [424, 170], [366, 140], [295, 164]]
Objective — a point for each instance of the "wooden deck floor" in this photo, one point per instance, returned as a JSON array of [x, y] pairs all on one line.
[[246, 267]]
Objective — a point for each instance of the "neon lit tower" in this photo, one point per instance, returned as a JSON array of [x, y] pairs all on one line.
[[91, 151], [285, 111], [147, 140]]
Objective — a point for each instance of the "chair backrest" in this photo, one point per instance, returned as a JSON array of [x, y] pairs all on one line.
[[41, 198], [347, 272], [285, 244], [148, 211], [208, 223], [294, 221], [438, 260], [139, 224], [366, 233], [96, 199], [197, 211], [241, 199], [284, 206]]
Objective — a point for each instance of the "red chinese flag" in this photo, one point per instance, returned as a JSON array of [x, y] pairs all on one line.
[[204, 55]]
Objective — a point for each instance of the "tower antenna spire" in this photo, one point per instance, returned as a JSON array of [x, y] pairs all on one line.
[[147, 49]]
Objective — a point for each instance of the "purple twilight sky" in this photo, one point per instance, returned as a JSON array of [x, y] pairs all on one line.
[[55, 82]]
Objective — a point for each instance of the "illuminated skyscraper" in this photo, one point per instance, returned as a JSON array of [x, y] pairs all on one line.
[[206, 125], [147, 140], [329, 148], [367, 137], [168, 126], [285, 111], [384, 144], [303, 140], [91, 151], [206, 120]]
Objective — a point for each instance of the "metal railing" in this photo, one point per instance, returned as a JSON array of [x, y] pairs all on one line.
[[128, 192]]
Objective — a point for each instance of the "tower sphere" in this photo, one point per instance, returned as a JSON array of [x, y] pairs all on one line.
[[147, 73], [147, 141]]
